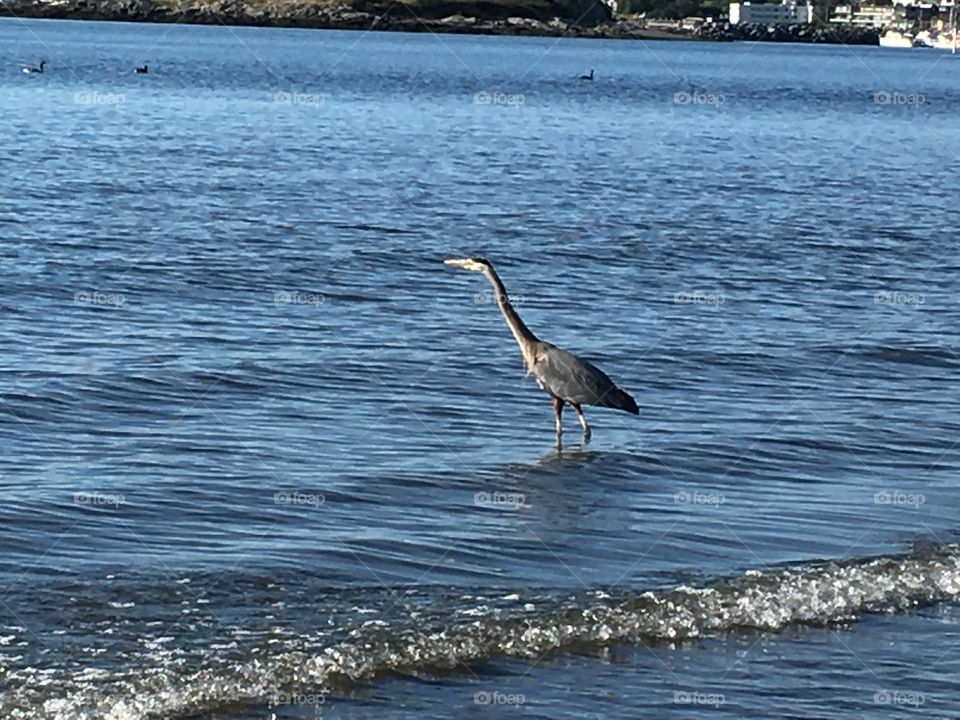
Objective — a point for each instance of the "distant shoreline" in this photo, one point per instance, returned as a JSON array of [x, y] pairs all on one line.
[[336, 17], [530, 28]]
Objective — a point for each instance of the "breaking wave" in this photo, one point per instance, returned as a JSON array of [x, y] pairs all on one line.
[[765, 601]]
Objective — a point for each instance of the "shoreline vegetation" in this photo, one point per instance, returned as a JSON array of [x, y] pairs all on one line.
[[551, 18]]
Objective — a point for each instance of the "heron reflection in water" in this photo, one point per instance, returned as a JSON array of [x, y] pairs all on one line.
[[567, 379]]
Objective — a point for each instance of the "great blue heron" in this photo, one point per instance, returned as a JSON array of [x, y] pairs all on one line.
[[566, 378]]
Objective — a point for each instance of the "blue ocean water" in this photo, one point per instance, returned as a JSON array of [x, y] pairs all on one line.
[[264, 455]]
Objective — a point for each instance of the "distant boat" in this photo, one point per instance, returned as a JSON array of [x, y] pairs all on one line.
[[923, 39], [928, 39], [894, 39]]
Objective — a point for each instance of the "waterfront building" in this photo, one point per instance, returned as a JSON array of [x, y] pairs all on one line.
[[784, 13], [872, 16]]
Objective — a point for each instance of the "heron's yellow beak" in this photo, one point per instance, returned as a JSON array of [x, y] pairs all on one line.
[[465, 263]]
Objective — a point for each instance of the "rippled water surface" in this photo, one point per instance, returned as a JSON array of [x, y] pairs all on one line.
[[263, 454]]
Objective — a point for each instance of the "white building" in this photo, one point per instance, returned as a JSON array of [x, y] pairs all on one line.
[[786, 13], [875, 16]]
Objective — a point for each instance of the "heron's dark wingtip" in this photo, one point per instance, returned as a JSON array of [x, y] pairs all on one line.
[[621, 400]]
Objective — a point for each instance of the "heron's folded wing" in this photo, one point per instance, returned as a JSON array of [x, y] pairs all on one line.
[[573, 379]]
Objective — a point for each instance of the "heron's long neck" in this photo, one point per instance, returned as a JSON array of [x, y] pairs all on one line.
[[525, 338]]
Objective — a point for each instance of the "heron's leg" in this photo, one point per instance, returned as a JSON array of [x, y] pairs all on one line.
[[583, 421], [558, 410]]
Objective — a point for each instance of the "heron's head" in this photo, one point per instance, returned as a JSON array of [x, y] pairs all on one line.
[[476, 264]]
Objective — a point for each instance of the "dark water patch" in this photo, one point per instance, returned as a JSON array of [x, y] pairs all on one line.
[[931, 356], [379, 229]]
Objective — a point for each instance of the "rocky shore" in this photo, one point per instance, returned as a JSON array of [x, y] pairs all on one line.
[[571, 18], [833, 34]]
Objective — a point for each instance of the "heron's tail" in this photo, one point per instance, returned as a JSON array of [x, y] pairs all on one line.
[[620, 400]]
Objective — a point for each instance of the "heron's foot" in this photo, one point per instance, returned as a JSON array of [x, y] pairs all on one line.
[[583, 423]]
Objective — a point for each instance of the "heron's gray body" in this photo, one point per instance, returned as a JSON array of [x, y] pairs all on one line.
[[577, 381]]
